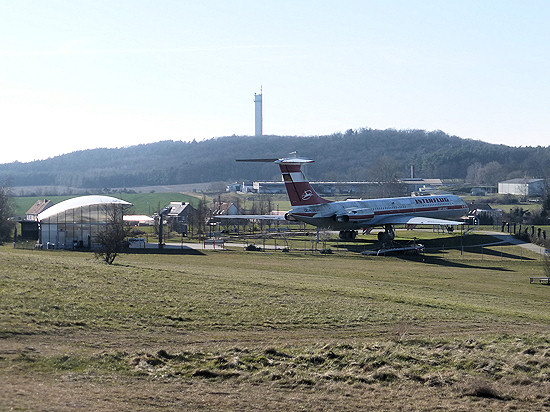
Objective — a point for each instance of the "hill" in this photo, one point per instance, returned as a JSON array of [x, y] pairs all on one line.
[[365, 154]]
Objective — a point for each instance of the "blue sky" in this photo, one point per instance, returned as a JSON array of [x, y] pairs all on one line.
[[84, 74]]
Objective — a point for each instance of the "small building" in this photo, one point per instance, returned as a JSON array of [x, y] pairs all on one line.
[[245, 187], [29, 225], [420, 185], [180, 216], [139, 220], [233, 187], [76, 223], [522, 187], [226, 209], [484, 214], [38, 207], [269, 187]]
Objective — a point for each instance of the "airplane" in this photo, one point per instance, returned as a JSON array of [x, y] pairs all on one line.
[[348, 216]]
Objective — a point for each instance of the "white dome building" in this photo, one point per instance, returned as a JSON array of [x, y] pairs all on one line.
[[75, 223]]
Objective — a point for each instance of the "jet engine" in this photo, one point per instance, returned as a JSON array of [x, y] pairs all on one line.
[[289, 217], [341, 218]]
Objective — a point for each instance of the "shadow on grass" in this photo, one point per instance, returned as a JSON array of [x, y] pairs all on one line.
[[165, 251], [435, 260], [480, 250], [457, 241], [470, 244]]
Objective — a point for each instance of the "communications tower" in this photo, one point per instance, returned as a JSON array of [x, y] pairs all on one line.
[[258, 113]]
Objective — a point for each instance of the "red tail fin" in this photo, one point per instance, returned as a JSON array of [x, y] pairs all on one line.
[[297, 186]]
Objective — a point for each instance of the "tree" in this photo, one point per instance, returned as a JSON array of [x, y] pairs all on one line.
[[545, 213], [111, 238], [488, 174], [6, 211], [472, 173], [198, 219], [491, 173], [384, 170]]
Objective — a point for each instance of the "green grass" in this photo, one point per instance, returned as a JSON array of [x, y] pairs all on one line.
[[143, 203], [22, 204], [525, 206], [254, 291], [278, 322]]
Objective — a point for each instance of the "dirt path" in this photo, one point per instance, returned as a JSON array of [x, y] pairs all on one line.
[[514, 241]]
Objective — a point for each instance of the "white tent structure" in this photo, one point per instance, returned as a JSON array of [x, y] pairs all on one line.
[[75, 223]]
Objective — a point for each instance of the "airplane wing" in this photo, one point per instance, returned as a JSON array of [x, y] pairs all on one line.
[[250, 217], [416, 220]]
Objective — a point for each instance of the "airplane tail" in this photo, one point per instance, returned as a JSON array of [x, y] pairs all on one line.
[[297, 186]]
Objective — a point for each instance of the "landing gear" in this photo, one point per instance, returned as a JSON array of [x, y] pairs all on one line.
[[348, 234], [387, 235]]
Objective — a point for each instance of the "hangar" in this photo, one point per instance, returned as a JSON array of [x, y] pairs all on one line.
[[75, 223], [522, 187]]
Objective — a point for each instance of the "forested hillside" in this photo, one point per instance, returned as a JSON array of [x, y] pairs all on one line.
[[364, 154]]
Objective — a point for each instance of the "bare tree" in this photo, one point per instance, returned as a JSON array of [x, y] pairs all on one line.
[[472, 174], [545, 213], [111, 238], [385, 169], [198, 219], [6, 211]]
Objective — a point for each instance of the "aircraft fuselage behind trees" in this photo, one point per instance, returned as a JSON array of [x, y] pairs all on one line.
[[350, 215]]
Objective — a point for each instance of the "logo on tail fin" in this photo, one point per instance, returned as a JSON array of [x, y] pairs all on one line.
[[307, 194]]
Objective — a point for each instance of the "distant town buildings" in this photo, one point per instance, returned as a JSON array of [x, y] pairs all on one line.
[[403, 187], [244, 187]]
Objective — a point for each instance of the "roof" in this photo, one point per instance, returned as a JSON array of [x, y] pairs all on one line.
[[178, 207], [138, 218], [418, 180], [39, 206], [479, 206], [522, 181], [224, 208], [80, 201]]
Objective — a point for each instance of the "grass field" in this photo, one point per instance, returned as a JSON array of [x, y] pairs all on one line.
[[234, 330]]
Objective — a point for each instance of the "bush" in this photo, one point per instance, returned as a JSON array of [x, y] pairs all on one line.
[[135, 232]]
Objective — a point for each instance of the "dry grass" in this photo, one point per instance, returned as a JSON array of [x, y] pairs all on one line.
[[235, 330]]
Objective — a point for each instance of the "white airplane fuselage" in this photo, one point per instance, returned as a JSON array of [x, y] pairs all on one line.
[[356, 214]]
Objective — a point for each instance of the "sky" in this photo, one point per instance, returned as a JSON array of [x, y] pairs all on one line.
[[80, 74]]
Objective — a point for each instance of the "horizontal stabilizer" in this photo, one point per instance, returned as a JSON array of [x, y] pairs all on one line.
[[416, 220], [258, 160], [250, 217], [286, 160]]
